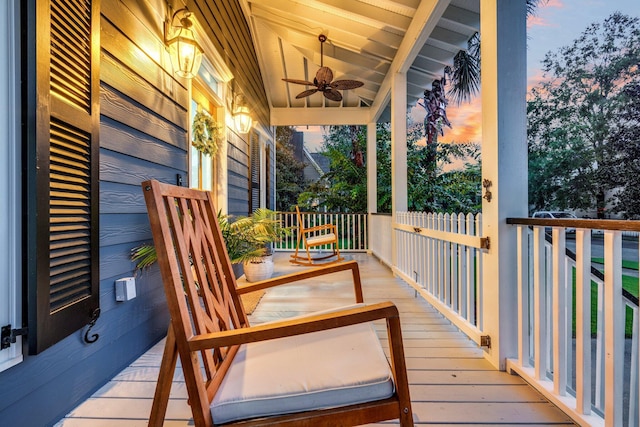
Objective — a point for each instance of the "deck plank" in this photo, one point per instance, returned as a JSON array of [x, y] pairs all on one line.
[[450, 381]]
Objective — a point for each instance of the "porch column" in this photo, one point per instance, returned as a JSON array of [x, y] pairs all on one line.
[[504, 163], [372, 169], [398, 152], [372, 178]]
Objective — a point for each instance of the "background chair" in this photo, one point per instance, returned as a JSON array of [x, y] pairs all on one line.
[[311, 237], [323, 369]]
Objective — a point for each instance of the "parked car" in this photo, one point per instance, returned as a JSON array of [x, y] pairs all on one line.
[[555, 215]]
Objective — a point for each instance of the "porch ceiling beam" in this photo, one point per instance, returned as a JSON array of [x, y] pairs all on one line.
[[320, 117], [424, 21]]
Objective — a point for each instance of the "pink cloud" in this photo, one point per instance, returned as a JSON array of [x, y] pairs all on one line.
[[466, 122], [538, 20]]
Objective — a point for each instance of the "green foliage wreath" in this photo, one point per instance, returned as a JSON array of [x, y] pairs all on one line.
[[206, 133]]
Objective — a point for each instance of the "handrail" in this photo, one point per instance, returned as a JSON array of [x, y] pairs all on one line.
[[597, 224]]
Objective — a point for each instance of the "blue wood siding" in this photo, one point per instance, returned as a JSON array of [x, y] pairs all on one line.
[[143, 135], [238, 174]]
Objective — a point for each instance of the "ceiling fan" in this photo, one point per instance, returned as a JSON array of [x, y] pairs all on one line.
[[323, 80]]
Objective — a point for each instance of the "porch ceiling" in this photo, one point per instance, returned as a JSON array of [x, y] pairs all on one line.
[[368, 40]]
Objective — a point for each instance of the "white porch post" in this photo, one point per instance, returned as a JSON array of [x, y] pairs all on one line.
[[504, 163], [372, 178], [372, 169], [398, 152]]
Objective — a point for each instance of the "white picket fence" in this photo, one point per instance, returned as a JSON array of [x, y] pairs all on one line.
[[351, 229]]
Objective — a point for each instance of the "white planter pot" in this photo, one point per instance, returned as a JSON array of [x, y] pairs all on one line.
[[257, 270]]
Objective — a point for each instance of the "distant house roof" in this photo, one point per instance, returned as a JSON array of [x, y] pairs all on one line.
[[316, 165]]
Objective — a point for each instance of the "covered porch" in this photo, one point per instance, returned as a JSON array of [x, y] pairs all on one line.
[[450, 380]]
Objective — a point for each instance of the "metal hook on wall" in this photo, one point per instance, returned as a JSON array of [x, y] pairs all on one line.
[[92, 323]]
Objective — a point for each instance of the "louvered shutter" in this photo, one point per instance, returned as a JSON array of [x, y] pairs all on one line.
[[255, 172], [63, 187]]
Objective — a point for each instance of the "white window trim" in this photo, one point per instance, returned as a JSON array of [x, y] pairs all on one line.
[[10, 186]]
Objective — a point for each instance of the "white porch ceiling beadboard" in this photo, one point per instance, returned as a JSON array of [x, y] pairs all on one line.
[[368, 40]]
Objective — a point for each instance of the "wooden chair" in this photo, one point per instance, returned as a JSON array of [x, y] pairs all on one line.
[[310, 237], [327, 368]]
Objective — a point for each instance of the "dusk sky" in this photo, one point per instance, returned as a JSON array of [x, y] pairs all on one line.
[[556, 24]]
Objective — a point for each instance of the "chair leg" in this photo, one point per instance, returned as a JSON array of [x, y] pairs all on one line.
[[165, 380]]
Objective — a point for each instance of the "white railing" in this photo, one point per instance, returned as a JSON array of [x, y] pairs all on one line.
[[587, 366], [351, 229], [381, 245], [439, 255]]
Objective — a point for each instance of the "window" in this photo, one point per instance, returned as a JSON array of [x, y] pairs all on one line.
[[206, 98], [201, 165]]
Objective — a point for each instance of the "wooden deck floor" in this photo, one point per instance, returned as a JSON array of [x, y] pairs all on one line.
[[451, 383]]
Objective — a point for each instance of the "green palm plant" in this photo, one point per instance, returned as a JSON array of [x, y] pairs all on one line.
[[465, 74], [247, 238]]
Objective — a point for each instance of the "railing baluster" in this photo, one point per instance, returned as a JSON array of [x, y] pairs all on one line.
[[559, 308], [455, 285], [462, 266], [523, 295], [448, 289], [583, 321], [614, 327], [471, 267], [633, 377], [539, 305]]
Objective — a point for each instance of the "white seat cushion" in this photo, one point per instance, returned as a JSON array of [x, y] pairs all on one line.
[[323, 369], [321, 239]]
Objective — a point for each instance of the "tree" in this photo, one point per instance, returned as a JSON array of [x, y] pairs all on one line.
[[575, 111], [431, 188], [626, 142], [289, 171], [344, 187]]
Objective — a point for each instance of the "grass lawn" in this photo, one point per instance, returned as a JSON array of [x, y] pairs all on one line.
[[632, 265], [629, 283]]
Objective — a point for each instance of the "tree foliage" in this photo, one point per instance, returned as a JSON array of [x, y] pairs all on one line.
[[575, 111], [625, 141], [289, 171], [431, 187], [465, 75]]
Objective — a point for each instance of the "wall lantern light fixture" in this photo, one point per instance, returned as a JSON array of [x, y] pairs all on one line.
[[185, 52], [241, 115]]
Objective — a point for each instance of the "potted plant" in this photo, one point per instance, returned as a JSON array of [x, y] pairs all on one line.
[[248, 240]]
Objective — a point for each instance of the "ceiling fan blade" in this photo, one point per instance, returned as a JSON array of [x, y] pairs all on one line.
[[306, 93], [332, 94], [324, 75], [346, 84], [298, 82]]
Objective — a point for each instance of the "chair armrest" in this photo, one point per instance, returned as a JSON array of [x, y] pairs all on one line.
[[307, 274], [298, 326], [319, 227]]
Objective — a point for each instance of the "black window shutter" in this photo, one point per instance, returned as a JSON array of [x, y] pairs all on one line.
[[255, 172], [62, 168]]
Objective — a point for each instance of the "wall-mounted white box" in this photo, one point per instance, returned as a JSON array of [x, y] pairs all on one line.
[[125, 289]]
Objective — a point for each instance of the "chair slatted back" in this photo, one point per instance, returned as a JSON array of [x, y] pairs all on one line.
[[196, 271]]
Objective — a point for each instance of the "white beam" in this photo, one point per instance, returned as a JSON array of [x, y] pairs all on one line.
[[504, 163], [320, 116], [424, 21]]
